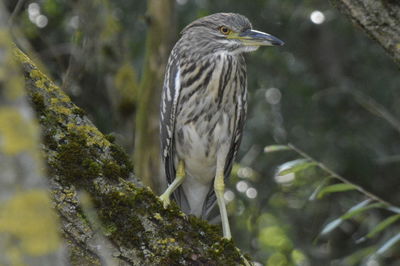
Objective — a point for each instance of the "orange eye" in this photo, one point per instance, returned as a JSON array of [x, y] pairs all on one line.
[[224, 30]]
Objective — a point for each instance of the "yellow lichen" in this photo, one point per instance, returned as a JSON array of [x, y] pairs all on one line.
[[17, 134], [38, 77], [166, 241], [28, 217], [94, 136], [157, 216], [58, 107]]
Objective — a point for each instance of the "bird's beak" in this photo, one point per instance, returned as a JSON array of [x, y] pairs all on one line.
[[258, 38]]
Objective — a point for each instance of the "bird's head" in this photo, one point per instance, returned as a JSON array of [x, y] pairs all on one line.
[[225, 32]]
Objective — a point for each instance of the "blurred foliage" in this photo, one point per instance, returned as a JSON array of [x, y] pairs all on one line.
[[330, 90]]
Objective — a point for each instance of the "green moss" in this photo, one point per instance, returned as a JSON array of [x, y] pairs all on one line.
[[38, 103], [120, 209], [213, 232], [111, 170], [75, 160], [110, 138], [123, 160], [78, 111], [93, 168]]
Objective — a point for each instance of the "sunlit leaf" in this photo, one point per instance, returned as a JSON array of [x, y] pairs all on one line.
[[360, 207], [393, 209], [274, 148], [331, 226], [381, 226], [295, 166], [335, 188], [388, 244], [357, 211]]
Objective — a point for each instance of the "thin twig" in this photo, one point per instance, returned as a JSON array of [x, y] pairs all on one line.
[[341, 178]]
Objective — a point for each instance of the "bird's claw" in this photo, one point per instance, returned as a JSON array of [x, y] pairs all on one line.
[[165, 200]]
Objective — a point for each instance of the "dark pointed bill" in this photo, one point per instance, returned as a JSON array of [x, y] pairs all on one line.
[[259, 38]]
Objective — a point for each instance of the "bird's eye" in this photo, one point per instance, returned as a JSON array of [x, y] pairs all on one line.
[[224, 30]]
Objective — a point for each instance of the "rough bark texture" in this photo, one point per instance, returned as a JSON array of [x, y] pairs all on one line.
[[379, 18], [28, 224], [136, 229], [160, 21]]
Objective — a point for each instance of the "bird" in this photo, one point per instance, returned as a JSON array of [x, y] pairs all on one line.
[[203, 110]]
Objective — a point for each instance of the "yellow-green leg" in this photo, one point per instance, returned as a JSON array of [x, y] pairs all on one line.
[[179, 178], [219, 188]]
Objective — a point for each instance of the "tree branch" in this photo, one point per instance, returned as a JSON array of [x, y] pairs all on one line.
[[379, 18], [139, 230]]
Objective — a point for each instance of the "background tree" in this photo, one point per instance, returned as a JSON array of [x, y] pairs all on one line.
[[28, 225], [161, 21]]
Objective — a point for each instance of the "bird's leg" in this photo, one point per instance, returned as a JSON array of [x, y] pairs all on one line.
[[179, 178], [219, 188]]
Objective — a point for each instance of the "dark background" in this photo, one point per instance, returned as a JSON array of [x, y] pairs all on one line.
[[331, 91]]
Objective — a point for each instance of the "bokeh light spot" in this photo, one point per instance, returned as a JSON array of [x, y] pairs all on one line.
[[181, 2], [273, 95], [229, 195], [41, 21], [317, 17], [245, 172], [251, 193], [242, 186]]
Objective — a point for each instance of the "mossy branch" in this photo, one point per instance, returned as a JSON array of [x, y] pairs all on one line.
[[138, 229]]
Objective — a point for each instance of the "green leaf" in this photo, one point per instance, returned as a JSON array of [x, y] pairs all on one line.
[[393, 209], [335, 188], [330, 226], [315, 193], [360, 207], [381, 226], [295, 166], [274, 148], [352, 213], [388, 244]]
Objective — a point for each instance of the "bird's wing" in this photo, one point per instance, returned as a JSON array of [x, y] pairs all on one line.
[[237, 138], [230, 158], [169, 102]]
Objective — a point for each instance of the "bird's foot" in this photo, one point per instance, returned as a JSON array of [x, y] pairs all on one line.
[[165, 200]]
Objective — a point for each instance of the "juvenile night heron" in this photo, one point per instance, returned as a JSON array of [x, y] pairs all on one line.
[[203, 110]]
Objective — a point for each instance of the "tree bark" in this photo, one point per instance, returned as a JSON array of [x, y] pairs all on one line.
[[135, 228], [160, 19], [379, 18], [28, 225]]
